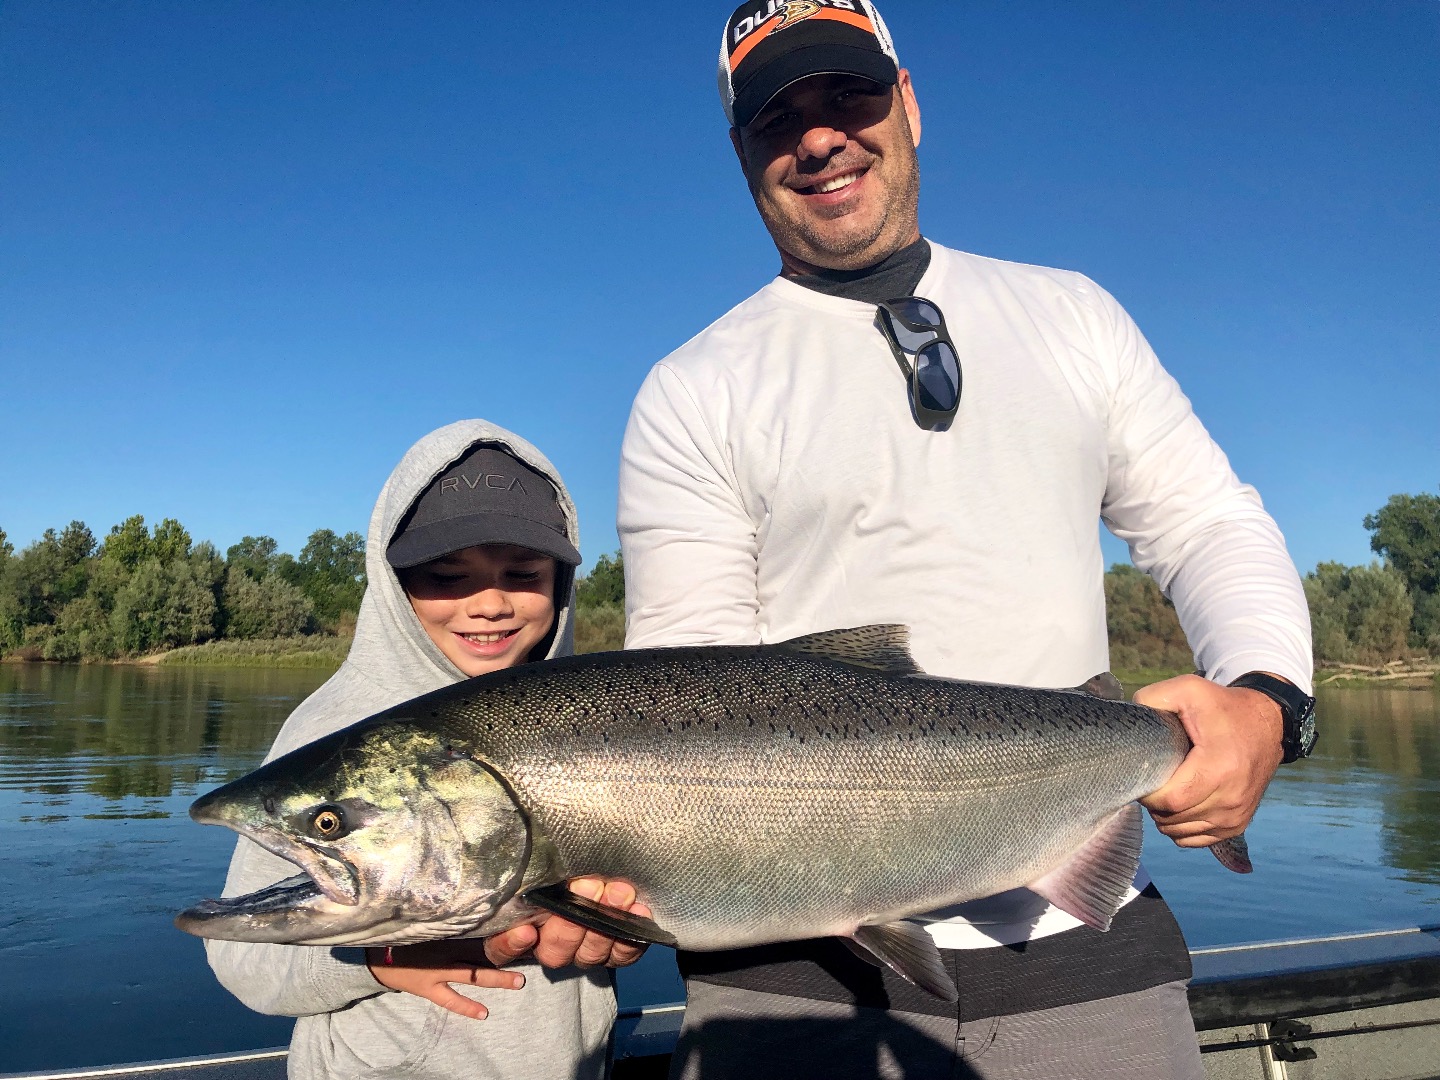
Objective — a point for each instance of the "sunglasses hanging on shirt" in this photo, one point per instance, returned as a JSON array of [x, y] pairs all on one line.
[[921, 345]]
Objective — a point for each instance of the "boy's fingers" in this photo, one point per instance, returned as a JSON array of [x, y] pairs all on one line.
[[446, 997]]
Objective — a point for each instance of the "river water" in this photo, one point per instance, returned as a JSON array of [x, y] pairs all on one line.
[[98, 765]]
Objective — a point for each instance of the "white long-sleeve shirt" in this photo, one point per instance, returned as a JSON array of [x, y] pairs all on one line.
[[773, 483]]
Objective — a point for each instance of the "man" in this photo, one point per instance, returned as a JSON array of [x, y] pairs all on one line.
[[821, 458]]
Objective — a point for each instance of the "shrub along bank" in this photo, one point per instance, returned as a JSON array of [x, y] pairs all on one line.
[[145, 591]]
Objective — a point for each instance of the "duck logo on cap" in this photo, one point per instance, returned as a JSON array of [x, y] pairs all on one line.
[[794, 11]]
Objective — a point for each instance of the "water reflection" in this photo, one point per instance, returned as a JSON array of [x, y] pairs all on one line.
[[131, 732], [99, 764], [1346, 841], [1394, 734]]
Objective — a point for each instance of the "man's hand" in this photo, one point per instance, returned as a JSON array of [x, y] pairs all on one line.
[[427, 970], [559, 943], [1217, 788]]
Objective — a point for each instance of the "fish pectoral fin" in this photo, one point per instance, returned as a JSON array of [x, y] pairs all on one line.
[[1092, 883], [1234, 854], [909, 951], [884, 647], [599, 917]]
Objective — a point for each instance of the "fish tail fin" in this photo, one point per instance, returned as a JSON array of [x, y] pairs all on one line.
[[1234, 854]]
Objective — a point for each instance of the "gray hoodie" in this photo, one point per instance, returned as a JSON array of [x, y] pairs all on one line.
[[350, 1026]]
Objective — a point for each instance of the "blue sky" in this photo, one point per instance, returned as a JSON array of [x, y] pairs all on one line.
[[250, 251]]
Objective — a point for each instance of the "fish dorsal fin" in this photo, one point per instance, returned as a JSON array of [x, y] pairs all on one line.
[[1091, 884], [884, 647], [907, 949], [596, 916], [1104, 685], [1234, 854]]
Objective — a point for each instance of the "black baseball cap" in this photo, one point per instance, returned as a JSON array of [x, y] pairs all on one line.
[[487, 497], [770, 44]]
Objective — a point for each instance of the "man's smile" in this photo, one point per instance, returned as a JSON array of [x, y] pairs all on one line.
[[834, 183]]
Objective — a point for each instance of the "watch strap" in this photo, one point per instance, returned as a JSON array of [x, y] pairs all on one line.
[[1297, 711]]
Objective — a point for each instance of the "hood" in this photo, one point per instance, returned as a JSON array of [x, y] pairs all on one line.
[[392, 658]]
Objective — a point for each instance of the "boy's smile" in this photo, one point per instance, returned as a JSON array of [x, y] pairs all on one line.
[[485, 607]]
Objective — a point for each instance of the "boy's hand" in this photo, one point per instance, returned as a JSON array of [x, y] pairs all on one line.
[[558, 942], [427, 970], [1236, 734]]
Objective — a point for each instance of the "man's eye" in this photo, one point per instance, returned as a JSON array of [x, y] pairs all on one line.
[[774, 124], [446, 579], [524, 575]]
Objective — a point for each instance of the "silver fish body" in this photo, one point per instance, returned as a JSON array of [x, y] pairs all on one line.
[[822, 786]]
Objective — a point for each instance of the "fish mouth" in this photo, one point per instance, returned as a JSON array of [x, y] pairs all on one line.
[[268, 914], [327, 873], [281, 898]]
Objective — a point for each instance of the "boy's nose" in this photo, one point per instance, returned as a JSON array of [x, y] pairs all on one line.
[[489, 604]]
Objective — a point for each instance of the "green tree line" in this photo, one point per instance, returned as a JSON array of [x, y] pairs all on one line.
[[1388, 610], [68, 596], [71, 596]]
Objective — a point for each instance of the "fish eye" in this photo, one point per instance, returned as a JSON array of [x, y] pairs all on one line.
[[328, 822]]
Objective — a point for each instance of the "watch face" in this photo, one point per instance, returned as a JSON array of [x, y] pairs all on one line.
[[1307, 728]]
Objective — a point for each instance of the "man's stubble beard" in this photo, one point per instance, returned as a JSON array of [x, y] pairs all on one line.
[[850, 251]]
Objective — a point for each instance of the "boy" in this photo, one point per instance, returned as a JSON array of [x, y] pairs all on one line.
[[470, 558]]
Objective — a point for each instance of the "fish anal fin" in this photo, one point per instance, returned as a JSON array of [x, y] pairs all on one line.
[[1234, 854], [908, 950], [1092, 883], [862, 952], [883, 647], [592, 915], [1105, 685]]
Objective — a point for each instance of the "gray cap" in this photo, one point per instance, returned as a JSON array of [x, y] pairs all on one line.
[[487, 497]]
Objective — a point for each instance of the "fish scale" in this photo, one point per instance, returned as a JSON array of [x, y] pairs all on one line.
[[822, 786]]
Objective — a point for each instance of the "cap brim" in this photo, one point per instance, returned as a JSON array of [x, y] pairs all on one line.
[[828, 58], [427, 542]]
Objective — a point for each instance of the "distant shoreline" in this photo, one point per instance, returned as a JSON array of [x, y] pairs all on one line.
[[317, 651], [308, 651]]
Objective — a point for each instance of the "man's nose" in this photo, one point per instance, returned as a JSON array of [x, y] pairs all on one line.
[[820, 142]]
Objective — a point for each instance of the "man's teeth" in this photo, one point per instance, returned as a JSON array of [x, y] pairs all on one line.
[[487, 639], [835, 184]]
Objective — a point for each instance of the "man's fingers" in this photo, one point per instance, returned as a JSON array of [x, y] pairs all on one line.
[[559, 940], [618, 894], [594, 950], [514, 943], [625, 953]]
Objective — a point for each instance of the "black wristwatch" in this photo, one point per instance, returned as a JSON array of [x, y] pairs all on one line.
[[1297, 708]]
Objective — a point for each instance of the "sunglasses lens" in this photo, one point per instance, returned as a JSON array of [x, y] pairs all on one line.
[[937, 377], [916, 310]]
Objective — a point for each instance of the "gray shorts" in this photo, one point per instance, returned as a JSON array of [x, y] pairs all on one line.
[[732, 1034], [1076, 1006]]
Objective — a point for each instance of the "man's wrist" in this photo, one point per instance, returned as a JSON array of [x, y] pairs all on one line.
[[1297, 711]]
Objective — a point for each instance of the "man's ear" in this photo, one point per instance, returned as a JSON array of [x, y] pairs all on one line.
[[739, 146], [912, 107]]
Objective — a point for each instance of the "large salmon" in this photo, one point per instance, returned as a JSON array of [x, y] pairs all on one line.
[[820, 786]]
